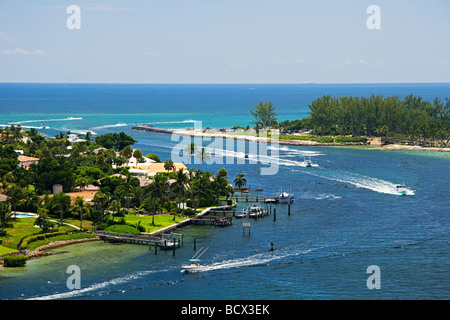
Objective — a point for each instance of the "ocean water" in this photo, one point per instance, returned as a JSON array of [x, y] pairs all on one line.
[[345, 218]]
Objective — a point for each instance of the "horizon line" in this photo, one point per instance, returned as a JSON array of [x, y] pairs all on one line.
[[221, 83]]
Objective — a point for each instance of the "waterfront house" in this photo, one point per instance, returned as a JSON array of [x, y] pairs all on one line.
[[25, 162]]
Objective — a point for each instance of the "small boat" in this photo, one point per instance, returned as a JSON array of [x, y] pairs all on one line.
[[284, 197], [307, 163], [246, 155], [256, 212], [194, 265], [401, 189], [243, 214]]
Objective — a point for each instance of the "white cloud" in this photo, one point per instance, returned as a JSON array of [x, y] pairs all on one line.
[[22, 52], [6, 37]]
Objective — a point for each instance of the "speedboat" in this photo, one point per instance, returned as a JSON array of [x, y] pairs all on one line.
[[194, 265], [284, 197], [401, 189], [307, 163]]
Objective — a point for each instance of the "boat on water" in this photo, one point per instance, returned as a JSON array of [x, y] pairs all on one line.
[[255, 212], [194, 263], [243, 214], [284, 197], [401, 189], [307, 163]]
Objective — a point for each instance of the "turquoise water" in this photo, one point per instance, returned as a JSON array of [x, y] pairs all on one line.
[[345, 218]]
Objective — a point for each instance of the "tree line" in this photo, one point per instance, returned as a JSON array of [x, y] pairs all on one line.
[[411, 117]]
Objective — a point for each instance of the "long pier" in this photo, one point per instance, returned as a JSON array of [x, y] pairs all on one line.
[[253, 198], [213, 220], [171, 241]]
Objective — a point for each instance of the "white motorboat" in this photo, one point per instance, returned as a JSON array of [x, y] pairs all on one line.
[[401, 189], [307, 163], [284, 197], [194, 265], [243, 214]]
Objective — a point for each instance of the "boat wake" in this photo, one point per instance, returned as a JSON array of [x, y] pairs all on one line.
[[47, 120], [120, 124], [265, 258], [98, 286], [361, 181]]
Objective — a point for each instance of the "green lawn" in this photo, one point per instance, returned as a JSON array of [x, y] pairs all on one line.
[[161, 221], [22, 227]]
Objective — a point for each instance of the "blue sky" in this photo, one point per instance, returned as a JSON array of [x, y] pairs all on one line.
[[225, 41]]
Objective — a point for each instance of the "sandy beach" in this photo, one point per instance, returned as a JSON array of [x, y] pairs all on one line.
[[397, 147]]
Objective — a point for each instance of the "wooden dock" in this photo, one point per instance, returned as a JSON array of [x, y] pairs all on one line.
[[219, 221], [166, 242]]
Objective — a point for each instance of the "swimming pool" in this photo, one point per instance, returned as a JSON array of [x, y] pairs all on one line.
[[25, 215]]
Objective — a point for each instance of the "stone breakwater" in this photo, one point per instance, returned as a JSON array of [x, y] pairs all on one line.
[[41, 251]]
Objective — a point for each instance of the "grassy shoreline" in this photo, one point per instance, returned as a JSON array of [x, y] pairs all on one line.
[[37, 248]]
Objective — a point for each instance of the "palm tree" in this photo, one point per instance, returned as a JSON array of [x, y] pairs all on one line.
[[83, 182], [157, 190], [138, 155], [127, 186], [168, 165], [200, 188], [115, 207], [190, 149], [240, 181], [62, 202], [81, 207], [203, 155], [15, 195], [5, 215], [179, 187], [42, 221], [127, 152], [100, 199]]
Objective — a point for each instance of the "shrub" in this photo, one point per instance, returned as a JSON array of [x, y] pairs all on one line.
[[14, 261]]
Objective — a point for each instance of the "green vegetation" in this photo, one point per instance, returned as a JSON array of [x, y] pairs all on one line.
[[123, 229], [117, 141], [351, 119], [119, 204], [265, 115], [15, 261], [323, 139], [411, 117], [37, 241]]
